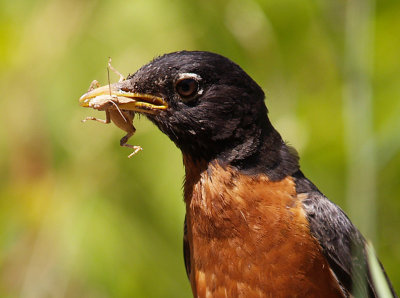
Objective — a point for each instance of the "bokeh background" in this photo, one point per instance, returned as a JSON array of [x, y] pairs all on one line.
[[79, 219]]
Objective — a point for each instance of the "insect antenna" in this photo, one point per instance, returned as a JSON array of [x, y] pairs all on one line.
[[121, 77]]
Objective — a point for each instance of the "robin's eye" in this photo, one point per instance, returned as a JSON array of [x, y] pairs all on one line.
[[187, 88]]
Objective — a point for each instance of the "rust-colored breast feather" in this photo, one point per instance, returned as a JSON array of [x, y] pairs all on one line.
[[249, 237]]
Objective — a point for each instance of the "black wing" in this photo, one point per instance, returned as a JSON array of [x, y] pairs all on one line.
[[341, 242]]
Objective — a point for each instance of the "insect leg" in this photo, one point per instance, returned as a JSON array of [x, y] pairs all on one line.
[[124, 140], [99, 120]]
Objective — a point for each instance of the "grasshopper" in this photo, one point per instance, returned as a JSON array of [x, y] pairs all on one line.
[[109, 103]]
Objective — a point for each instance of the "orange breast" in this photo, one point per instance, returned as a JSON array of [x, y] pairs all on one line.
[[249, 237]]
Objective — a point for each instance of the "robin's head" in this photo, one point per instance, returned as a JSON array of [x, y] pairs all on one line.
[[204, 102]]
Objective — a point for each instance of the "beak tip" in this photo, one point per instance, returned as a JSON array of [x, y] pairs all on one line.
[[83, 100]]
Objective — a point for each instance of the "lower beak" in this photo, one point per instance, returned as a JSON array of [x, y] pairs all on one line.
[[125, 100]]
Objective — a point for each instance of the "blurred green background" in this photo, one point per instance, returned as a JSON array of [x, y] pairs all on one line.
[[79, 219]]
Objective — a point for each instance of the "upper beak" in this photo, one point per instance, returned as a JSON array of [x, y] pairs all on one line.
[[125, 100]]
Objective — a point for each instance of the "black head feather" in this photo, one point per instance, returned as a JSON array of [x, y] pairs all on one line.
[[223, 117]]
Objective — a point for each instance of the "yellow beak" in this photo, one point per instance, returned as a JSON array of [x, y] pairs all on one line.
[[138, 102]]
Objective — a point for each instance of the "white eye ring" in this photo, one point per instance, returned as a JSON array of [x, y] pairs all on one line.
[[188, 75]]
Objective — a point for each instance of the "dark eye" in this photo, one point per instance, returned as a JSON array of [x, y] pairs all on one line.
[[187, 88]]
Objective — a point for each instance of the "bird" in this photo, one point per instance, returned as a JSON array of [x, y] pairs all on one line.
[[255, 226]]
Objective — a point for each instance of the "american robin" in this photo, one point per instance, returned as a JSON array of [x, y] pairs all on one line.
[[255, 226]]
